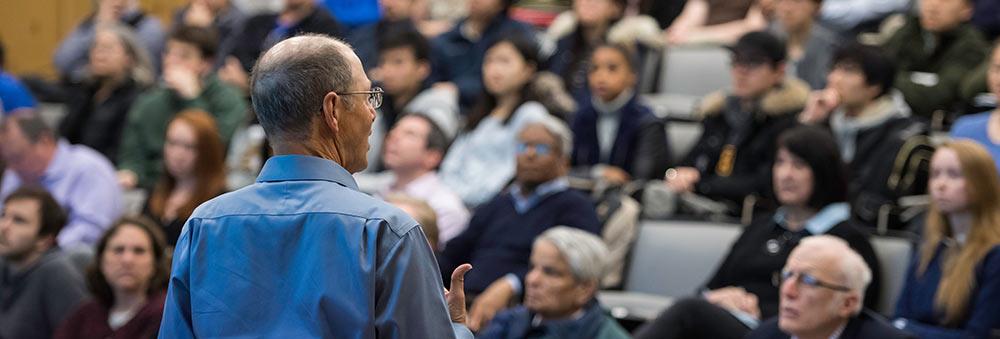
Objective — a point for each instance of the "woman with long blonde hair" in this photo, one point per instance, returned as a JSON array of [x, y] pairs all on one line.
[[953, 284]]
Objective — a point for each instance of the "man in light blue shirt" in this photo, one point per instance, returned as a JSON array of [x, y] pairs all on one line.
[[302, 253]]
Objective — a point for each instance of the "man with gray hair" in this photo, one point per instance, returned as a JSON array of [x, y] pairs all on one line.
[[822, 295], [302, 253], [499, 236], [567, 265]]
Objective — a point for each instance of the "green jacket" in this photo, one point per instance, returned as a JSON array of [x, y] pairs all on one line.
[[145, 131], [956, 54]]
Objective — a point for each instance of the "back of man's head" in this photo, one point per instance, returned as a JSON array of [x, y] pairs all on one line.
[[290, 80], [51, 215]]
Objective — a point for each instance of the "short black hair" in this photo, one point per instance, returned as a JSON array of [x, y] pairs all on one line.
[[51, 215], [816, 146], [631, 57], [406, 38], [205, 39], [877, 68], [436, 139]]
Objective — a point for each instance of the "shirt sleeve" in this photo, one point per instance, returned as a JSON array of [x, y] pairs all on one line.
[[95, 203], [176, 321]]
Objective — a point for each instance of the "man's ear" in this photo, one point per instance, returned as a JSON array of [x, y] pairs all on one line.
[[331, 105]]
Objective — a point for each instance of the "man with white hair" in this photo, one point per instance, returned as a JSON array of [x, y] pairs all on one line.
[[822, 295], [499, 236], [567, 265]]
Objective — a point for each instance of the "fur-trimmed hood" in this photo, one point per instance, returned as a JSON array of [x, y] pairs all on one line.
[[790, 95], [628, 30]]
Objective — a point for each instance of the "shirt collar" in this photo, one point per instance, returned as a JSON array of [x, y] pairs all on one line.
[[304, 167], [60, 160], [524, 203], [822, 222]]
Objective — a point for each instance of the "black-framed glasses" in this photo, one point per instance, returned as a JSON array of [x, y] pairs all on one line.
[[808, 280], [374, 96]]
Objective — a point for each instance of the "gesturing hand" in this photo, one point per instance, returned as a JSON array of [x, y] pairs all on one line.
[[456, 296]]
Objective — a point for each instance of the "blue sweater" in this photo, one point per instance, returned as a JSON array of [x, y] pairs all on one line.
[[916, 302], [974, 127], [499, 239]]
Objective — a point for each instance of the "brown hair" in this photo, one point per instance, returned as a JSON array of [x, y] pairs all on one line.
[[959, 262], [422, 213], [98, 284], [209, 167], [51, 216]]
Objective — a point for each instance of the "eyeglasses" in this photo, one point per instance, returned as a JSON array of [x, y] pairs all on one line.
[[808, 280], [374, 96], [540, 149]]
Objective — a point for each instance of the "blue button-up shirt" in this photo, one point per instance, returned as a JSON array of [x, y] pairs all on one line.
[[303, 254]]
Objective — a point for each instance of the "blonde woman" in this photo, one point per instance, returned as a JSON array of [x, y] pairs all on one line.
[[953, 284]]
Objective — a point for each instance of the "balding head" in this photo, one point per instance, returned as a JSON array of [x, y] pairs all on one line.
[[290, 80]]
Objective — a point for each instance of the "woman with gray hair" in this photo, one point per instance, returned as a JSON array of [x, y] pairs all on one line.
[[118, 71], [567, 265]]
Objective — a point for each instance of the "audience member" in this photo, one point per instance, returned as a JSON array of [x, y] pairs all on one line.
[[128, 282], [13, 94], [226, 18], [811, 185], [265, 30], [821, 296], [985, 19], [850, 17], [567, 265], [117, 72], [810, 44], [71, 56], [872, 125], [953, 281], [984, 127], [367, 40], [80, 179], [40, 283], [188, 82], [933, 53], [498, 240], [193, 172], [730, 160], [578, 32], [715, 22], [413, 151], [458, 55], [482, 159], [614, 134], [421, 212]]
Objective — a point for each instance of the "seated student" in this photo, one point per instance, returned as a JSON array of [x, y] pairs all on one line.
[[225, 17], [40, 284], [13, 94], [984, 127], [128, 283], [821, 295], [403, 68], [953, 281], [80, 179], [810, 182], [499, 237], [614, 133], [367, 39], [578, 32], [188, 82], [730, 160], [482, 159], [458, 55], [71, 56], [715, 22], [560, 290], [873, 127], [413, 151], [193, 172], [422, 213], [117, 72], [933, 53], [810, 44]]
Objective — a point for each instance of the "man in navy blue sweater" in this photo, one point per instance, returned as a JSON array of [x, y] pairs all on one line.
[[499, 237]]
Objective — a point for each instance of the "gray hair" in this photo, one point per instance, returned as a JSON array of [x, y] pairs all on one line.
[[586, 253], [142, 68], [852, 267], [290, 80], [557, 129], [31, 125]]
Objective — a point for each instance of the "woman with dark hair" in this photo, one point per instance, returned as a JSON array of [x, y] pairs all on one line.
[[810, 182], [481, 160], [194, 171], [128, 280]]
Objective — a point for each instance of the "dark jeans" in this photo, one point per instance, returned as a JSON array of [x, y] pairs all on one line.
[[693, 318]]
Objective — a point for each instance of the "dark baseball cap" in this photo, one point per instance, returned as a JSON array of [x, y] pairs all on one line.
[[757, 48]]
